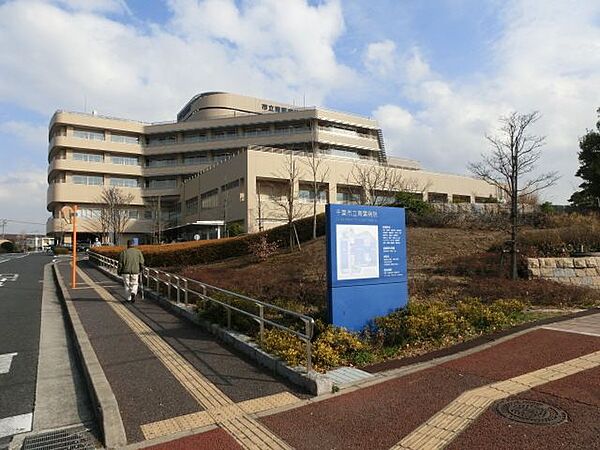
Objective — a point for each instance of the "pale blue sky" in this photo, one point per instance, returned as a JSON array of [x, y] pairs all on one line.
[[436, 74]]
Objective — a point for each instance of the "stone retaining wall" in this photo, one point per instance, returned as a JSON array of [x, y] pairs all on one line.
[[578, 271]]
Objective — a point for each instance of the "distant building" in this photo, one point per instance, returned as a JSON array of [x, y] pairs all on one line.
[[223, 162]]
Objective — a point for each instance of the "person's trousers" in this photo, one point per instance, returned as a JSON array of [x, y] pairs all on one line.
[[131, 282]]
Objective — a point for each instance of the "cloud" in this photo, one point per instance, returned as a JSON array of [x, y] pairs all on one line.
[[546, 59], [29, 134], [273, 49], [380, 58], [23, 198]]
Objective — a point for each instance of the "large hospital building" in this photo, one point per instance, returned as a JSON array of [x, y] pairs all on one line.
[[226, 160]]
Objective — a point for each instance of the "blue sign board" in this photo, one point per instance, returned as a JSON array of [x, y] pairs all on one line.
[[366, 263]]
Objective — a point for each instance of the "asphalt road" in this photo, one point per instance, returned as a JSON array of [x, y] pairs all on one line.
[[21, 282]]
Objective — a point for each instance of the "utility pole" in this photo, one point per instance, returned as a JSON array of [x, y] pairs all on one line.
[[3, 222], [74, 243]]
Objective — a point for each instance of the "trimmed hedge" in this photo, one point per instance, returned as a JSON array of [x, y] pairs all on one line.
[[203, 252]]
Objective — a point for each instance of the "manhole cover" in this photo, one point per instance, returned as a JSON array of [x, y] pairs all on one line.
[[67, 439], [531, 412]]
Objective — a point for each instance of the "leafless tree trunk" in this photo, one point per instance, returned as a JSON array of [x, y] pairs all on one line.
[[288, 202], [115, 210], [319, 174], [259, 206], [514, 154]]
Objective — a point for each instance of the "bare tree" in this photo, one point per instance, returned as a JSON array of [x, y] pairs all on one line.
[[115, 210], [288, 201], [514, 154], [372, 182], [159, 223], [319, 174], [259, 206]]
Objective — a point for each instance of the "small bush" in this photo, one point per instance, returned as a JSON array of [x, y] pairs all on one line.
[[263, 249], [285, 346], [437, 321], [61, 250]]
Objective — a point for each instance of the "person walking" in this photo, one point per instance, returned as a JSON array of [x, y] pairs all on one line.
[[131, 263]]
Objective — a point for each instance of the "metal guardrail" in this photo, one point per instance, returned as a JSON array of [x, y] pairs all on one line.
[[185, 290]]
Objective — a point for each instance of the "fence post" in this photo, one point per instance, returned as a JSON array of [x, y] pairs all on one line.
[[308, 332], [261, 313], [185, 294], [178, 288], [228, 317]]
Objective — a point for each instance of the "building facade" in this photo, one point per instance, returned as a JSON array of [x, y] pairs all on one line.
[[228, 159]]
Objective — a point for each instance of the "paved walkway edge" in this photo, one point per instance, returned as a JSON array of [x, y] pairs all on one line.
[[313, 382], [106, 407]]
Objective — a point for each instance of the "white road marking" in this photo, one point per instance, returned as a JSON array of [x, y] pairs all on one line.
[[11, 257], [5, 362], [15, 424], [4, 277]]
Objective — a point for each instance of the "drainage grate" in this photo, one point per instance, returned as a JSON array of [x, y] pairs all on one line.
[[531, 412], [68, 439]]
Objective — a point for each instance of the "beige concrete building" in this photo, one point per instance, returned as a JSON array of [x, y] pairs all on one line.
[[227, 159]]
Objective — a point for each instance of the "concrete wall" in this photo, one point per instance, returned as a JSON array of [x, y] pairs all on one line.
[[577, 271]]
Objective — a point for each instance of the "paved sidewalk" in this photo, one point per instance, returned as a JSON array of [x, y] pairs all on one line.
[[452, 405], [168, 376]]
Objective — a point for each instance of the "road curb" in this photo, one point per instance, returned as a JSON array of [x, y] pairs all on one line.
[[314, 383], [105, 404]]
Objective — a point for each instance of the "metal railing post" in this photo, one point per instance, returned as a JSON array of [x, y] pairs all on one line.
[[169, 286], [185, 295], [308, 332], [178, 290], [157, 282], [228, 317], [261, 314]]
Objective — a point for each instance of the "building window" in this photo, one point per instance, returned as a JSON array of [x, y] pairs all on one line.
[[306, 194], [437, 197], [346, 196], [162, 162], [461, 198], [125, 160], [124, 138], [88, 157], [191, 205], [209, 199], [124, 182], [196, 159], [162, 183], [89, 213], [162, 140], [134, 214], [230, 185], [90, 180], [195, 137], [88, 134]]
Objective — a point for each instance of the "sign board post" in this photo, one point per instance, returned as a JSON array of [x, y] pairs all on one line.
[[366, 263]]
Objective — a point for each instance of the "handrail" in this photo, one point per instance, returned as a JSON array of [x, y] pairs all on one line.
[[153, 279]]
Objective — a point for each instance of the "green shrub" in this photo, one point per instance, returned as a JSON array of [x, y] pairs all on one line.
[[202, 252], [285, 346], [413, 203]]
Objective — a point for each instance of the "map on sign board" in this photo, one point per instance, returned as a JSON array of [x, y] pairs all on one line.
[[357, 251]]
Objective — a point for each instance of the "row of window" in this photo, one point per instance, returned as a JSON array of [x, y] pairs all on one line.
[[95, 135], [98, 180], [227, 134], [96, 157], [95, 213]]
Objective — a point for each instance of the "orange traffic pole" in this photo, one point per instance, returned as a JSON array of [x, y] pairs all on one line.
[[74, 240]]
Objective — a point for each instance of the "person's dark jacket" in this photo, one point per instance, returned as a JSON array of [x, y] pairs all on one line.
[[131, 261]]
